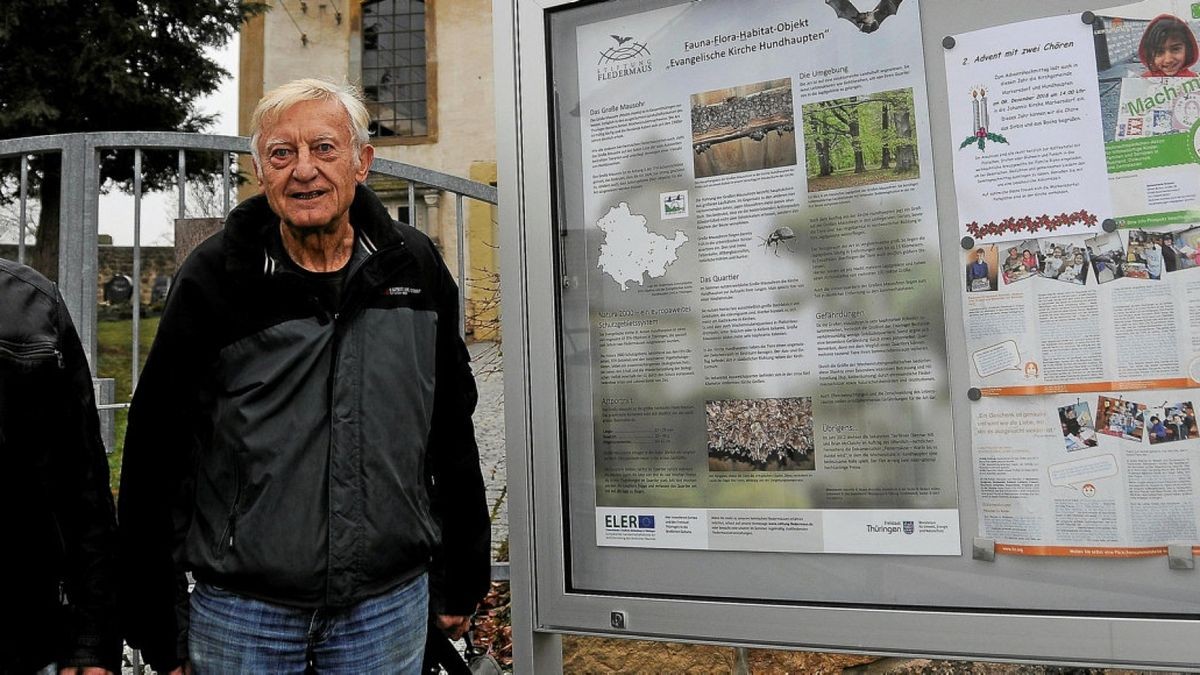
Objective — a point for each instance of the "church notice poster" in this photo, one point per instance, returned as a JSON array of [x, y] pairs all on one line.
[[1080, 323], [763, 284]]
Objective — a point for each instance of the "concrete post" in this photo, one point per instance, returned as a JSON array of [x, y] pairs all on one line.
[[105, 389]]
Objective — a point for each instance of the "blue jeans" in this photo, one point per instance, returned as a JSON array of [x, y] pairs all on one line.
[[232, 633]]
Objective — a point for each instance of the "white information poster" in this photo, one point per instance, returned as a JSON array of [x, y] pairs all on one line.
[[1083, 340], [1025, 123], [763, 282]]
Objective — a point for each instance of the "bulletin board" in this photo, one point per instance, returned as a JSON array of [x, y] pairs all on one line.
[[847, 330]]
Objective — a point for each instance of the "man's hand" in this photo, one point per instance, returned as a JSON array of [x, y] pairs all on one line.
[[453, 625], [88, 670]]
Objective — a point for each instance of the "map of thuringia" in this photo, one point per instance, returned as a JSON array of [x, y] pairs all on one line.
[[630, 250]]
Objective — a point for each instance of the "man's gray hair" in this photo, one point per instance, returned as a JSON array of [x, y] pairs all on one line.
[[279, 99]]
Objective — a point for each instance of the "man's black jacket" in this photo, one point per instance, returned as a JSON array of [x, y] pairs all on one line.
[[58, 509], [297, 455]]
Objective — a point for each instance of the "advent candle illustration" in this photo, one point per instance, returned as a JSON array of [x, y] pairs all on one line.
[[980, 134]]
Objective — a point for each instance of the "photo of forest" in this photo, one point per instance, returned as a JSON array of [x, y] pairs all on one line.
[[860, 140]]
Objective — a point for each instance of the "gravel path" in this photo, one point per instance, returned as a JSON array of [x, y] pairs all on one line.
[[489, 433]]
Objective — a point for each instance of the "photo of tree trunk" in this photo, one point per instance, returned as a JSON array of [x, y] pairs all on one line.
[[860, 140]]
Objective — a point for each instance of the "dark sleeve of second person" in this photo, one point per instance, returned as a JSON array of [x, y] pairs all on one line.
[[461, 570], [155, 495], [84, 507]]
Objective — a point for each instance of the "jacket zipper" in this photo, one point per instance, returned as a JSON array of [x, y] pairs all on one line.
[[31, 351], [343, 306], [62, 549], [226, 542], [331, 387]]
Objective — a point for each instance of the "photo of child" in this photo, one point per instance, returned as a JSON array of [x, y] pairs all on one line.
[[1029, 258], [1021, 262], [1078, 430], [1168, 48], [1107, 254], [981, 266], [1172, 422], [1170, 253], [1063, 260], [1076, 270], [1148, 54], [1012, 260], [1186, 248], [1052, 260], [1122, 419], [1144, 258]]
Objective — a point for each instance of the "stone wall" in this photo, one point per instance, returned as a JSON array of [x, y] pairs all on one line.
[[156, 261]]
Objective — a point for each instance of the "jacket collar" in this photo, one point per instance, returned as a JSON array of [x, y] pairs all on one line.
[[251, 227]]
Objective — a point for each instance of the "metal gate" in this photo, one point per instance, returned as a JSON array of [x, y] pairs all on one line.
[[78, 262], [80, 198]]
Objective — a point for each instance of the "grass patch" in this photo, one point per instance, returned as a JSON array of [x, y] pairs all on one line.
[[115, 360]]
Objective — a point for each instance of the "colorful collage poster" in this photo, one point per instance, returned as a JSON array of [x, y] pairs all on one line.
[[1081, 328]]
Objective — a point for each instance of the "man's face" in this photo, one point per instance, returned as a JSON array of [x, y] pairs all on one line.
[[979, 256], [309, 168], [1169, 58]]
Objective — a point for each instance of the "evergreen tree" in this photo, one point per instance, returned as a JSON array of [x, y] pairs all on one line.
[[108, 65]]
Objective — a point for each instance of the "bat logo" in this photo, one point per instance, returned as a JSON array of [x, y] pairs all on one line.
[[867, 22], [627, 48]]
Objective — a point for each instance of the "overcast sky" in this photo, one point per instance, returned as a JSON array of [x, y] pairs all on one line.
[[116, 208]]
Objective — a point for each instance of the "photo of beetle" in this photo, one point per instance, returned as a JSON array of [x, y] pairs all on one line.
[[780, 235]]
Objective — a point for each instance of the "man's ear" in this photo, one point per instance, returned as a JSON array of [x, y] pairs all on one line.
[[257, 171], [366, 155]]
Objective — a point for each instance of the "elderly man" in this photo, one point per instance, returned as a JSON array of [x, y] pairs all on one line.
[[59, 586], [301, 438]]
